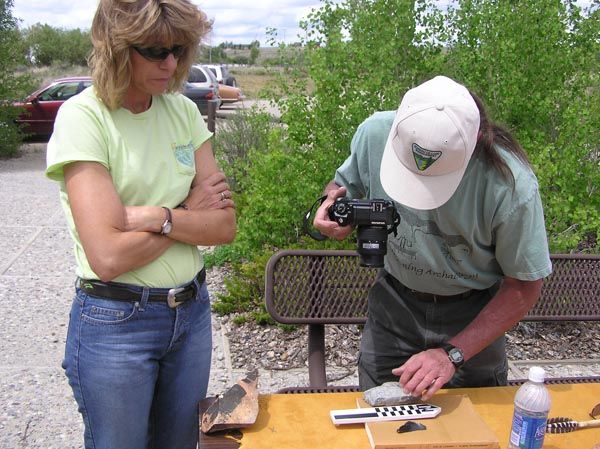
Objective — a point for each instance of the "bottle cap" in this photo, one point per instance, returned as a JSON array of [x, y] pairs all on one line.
[[537, 374]]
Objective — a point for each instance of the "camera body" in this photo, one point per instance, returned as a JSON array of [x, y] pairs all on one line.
[[372, 219]]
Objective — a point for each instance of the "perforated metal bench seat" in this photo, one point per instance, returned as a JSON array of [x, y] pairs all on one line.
[[320, 287], [511, 382]]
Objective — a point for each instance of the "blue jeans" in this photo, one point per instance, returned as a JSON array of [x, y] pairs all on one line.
[[138, 370]]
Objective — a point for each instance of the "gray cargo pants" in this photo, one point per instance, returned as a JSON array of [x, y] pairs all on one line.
[[400, 325]]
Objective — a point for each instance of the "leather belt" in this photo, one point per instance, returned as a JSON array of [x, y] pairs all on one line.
[[428, 297], [126, 292]]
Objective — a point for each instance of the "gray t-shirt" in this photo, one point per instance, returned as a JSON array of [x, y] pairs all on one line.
[[487, 230]]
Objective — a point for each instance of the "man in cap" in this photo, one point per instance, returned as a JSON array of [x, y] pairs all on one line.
[[470, 253]]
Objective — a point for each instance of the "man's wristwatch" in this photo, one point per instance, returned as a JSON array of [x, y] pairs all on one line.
[[455, 355], [167, 226]]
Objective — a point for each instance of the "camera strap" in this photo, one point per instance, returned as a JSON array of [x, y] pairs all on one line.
[[396, 223], [306, 227]]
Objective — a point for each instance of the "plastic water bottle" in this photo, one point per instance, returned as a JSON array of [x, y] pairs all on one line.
[[532, 404]]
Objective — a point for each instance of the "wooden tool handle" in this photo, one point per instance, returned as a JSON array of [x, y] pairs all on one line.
[[593, 423]]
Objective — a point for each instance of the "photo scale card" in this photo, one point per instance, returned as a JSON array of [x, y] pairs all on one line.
[[388, 413]]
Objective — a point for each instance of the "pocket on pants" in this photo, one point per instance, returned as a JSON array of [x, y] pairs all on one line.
[[101, 311]]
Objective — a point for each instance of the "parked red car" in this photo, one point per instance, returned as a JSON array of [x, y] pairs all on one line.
[[42, 105]]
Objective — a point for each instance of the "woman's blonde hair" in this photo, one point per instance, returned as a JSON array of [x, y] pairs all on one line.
[[120, 24]]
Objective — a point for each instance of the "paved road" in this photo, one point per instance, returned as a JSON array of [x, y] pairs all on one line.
[[228, 109]]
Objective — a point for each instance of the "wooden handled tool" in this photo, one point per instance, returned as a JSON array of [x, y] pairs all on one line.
[[564, 425]]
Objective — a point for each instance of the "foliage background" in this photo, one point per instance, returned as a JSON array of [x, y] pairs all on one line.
[[12, 84], [535, 64]]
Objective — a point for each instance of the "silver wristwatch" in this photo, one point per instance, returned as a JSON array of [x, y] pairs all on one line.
[[455, 355], [167, 226]]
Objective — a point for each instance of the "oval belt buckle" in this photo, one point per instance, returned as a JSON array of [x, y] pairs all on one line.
[[171, 295]]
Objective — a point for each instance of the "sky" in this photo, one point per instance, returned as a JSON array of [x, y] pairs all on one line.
[[238, 21]]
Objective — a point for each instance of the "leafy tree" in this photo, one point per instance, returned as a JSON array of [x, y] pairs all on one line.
[[213, 54], [345, 73], [535, 64], [49, 45], [254, 52], [78, 46], [12, 85], [546, 90]]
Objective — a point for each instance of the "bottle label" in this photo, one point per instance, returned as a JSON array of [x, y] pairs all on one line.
[[527, 432]]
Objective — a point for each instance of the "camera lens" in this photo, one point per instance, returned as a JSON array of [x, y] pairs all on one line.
[[372, 245]]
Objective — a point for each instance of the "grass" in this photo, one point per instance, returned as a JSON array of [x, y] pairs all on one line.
[[254, 80]]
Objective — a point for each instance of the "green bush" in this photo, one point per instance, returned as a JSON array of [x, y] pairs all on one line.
[[13, 86], [569, 174], [245, 290], [243, 132], [11, 137], [545, 90], [48, 45]]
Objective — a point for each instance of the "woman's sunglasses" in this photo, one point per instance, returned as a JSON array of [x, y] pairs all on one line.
[[160, 53]]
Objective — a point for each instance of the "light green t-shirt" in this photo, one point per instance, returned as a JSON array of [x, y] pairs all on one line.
[[487, 230], [150, 157]]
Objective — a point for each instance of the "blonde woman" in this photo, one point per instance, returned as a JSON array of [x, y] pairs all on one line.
[[141, 190]]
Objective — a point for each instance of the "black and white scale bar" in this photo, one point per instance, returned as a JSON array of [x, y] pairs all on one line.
[[388, 413]]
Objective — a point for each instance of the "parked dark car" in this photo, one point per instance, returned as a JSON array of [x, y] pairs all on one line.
[[202, 88], [41, 106], [222, 74], [203, 97]]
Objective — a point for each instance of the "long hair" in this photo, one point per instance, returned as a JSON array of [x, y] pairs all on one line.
[[491, 136], [120, 24]]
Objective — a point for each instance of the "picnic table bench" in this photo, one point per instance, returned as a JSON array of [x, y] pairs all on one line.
[[322, 287]]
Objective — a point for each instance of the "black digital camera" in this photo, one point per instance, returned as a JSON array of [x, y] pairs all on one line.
[[374, 220]]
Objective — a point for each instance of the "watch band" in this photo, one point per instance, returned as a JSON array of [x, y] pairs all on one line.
[[166, 227], [455, 355]]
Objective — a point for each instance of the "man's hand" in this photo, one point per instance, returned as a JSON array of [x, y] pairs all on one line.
[[425, 373], [322, 222]]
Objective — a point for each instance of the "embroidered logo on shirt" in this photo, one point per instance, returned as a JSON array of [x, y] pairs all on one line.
[[184, 154], [424, 158]]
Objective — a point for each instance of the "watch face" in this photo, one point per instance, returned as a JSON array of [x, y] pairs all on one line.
[[455, 355], [166, 228]]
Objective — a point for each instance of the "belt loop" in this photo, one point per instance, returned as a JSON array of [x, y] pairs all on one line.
[[144, 300], [197, 284]]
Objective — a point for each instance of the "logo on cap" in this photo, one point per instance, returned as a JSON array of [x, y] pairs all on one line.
[[424, 158]]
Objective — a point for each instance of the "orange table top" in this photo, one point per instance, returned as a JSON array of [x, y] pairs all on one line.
[[302, 420]]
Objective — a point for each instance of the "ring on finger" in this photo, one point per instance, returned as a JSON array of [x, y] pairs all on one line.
[[223, 197]]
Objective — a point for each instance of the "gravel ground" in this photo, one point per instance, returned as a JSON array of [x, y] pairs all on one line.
[[270, 347]]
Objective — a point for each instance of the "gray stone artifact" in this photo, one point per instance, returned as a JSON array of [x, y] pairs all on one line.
[[389, 393]]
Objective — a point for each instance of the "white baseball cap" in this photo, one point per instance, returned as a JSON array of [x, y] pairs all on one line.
[[430, 144]]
